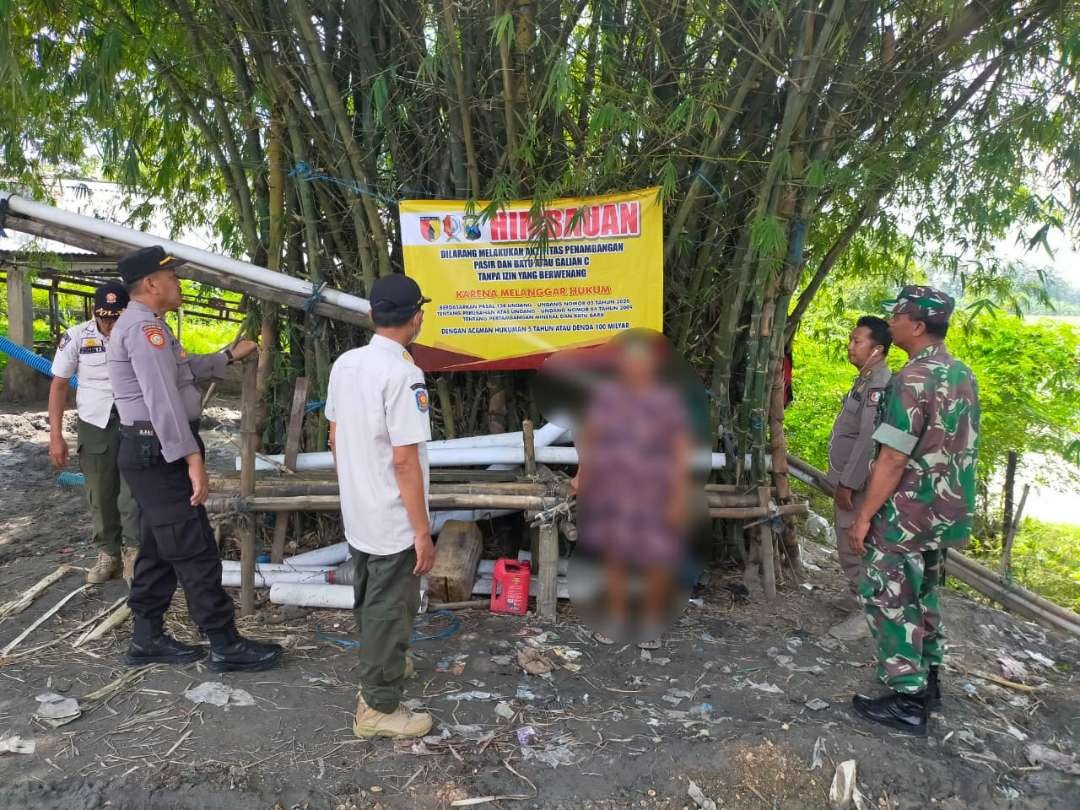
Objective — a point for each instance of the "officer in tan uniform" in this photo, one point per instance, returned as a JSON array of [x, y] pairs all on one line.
[[162, 459], [851, 444], [82, 353]]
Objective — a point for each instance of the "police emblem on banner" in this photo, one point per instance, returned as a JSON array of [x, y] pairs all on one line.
[[471, 224], [430, 228], [452, 228]]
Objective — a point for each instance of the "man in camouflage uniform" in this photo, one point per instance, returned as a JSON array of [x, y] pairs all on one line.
[[920, 502]]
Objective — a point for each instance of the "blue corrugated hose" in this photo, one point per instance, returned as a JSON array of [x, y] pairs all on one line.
[[40, 364], [71, 479]]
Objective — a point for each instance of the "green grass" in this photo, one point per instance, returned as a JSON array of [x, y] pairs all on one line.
[[1044, 560], [198, 336]]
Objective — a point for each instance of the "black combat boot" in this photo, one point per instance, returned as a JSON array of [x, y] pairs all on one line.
[[933, 690], [907, 713], [230, 651], [150, 644]]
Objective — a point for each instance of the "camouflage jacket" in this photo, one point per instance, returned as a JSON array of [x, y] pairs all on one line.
[[930, 413]]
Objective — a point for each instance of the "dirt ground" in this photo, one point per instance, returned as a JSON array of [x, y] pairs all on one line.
[[723, 704]]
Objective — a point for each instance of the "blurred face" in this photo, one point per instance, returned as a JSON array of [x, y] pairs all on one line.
[[416, 323], [164, 286], [904, 329], [105, 325], [637, 364], [861, 348]]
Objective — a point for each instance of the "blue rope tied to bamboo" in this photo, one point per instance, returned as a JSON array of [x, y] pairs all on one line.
[[314, 405], [303, 171], [314, 298]]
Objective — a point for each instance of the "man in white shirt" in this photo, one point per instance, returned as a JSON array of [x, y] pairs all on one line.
[[377, 405], [81, 353]]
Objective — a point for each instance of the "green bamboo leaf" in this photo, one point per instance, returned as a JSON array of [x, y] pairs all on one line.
[[503, 30], [767, 236]]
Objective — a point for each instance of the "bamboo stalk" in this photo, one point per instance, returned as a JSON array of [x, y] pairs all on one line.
[[292, 448], [27, 597], [468, 605], [1012, 598], [249, 440], [1014, 525], [751, 512], [990, 576], [768, 562], [332, 503], [287, 488], [530, 447], [45, 617], [118, 616]]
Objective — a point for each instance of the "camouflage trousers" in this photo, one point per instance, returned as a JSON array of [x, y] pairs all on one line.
[[900, 592]]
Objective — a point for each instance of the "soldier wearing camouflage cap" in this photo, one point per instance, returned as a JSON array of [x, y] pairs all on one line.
[[919, 503]]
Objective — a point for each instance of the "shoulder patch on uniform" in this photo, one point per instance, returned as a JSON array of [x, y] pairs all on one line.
[[155, 335], [418, 386], [64, 341], [422, 401]]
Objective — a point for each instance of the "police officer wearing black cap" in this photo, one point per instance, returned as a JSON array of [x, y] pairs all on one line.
[[82, 353], [161, 457]]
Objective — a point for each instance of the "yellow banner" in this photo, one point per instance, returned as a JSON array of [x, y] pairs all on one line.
[[503, 300]]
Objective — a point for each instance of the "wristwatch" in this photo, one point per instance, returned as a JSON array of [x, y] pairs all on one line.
[[228, 355]]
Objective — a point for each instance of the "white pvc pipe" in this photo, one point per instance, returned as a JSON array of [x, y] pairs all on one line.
[[315, 596], [327, 555], [230, 578], [139, 239], [339, 552], [441, 449], [465, 457], [272, 568]]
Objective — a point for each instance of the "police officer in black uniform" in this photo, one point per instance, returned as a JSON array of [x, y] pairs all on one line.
[[162, 459]]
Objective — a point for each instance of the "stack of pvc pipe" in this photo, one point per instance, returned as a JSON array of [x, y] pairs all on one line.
[[268, 573], [339, 552], [502, 448]]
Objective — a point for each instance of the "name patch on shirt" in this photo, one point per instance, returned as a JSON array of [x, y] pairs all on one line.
[[422, 401], [155, 335], [92, 346]]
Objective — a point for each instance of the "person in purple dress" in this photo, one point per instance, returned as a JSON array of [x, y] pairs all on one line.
[[633, 486]]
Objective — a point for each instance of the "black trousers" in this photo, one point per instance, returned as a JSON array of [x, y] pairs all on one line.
[[177, 541]]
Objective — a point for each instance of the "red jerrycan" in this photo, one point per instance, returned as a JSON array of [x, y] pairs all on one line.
[[510, 587]]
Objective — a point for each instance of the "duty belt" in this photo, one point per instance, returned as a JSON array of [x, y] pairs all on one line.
[[146, 429]]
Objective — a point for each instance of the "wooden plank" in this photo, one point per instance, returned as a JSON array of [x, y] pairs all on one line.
[[547, 594], [530, 447], [456, 556], [292, 449]]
